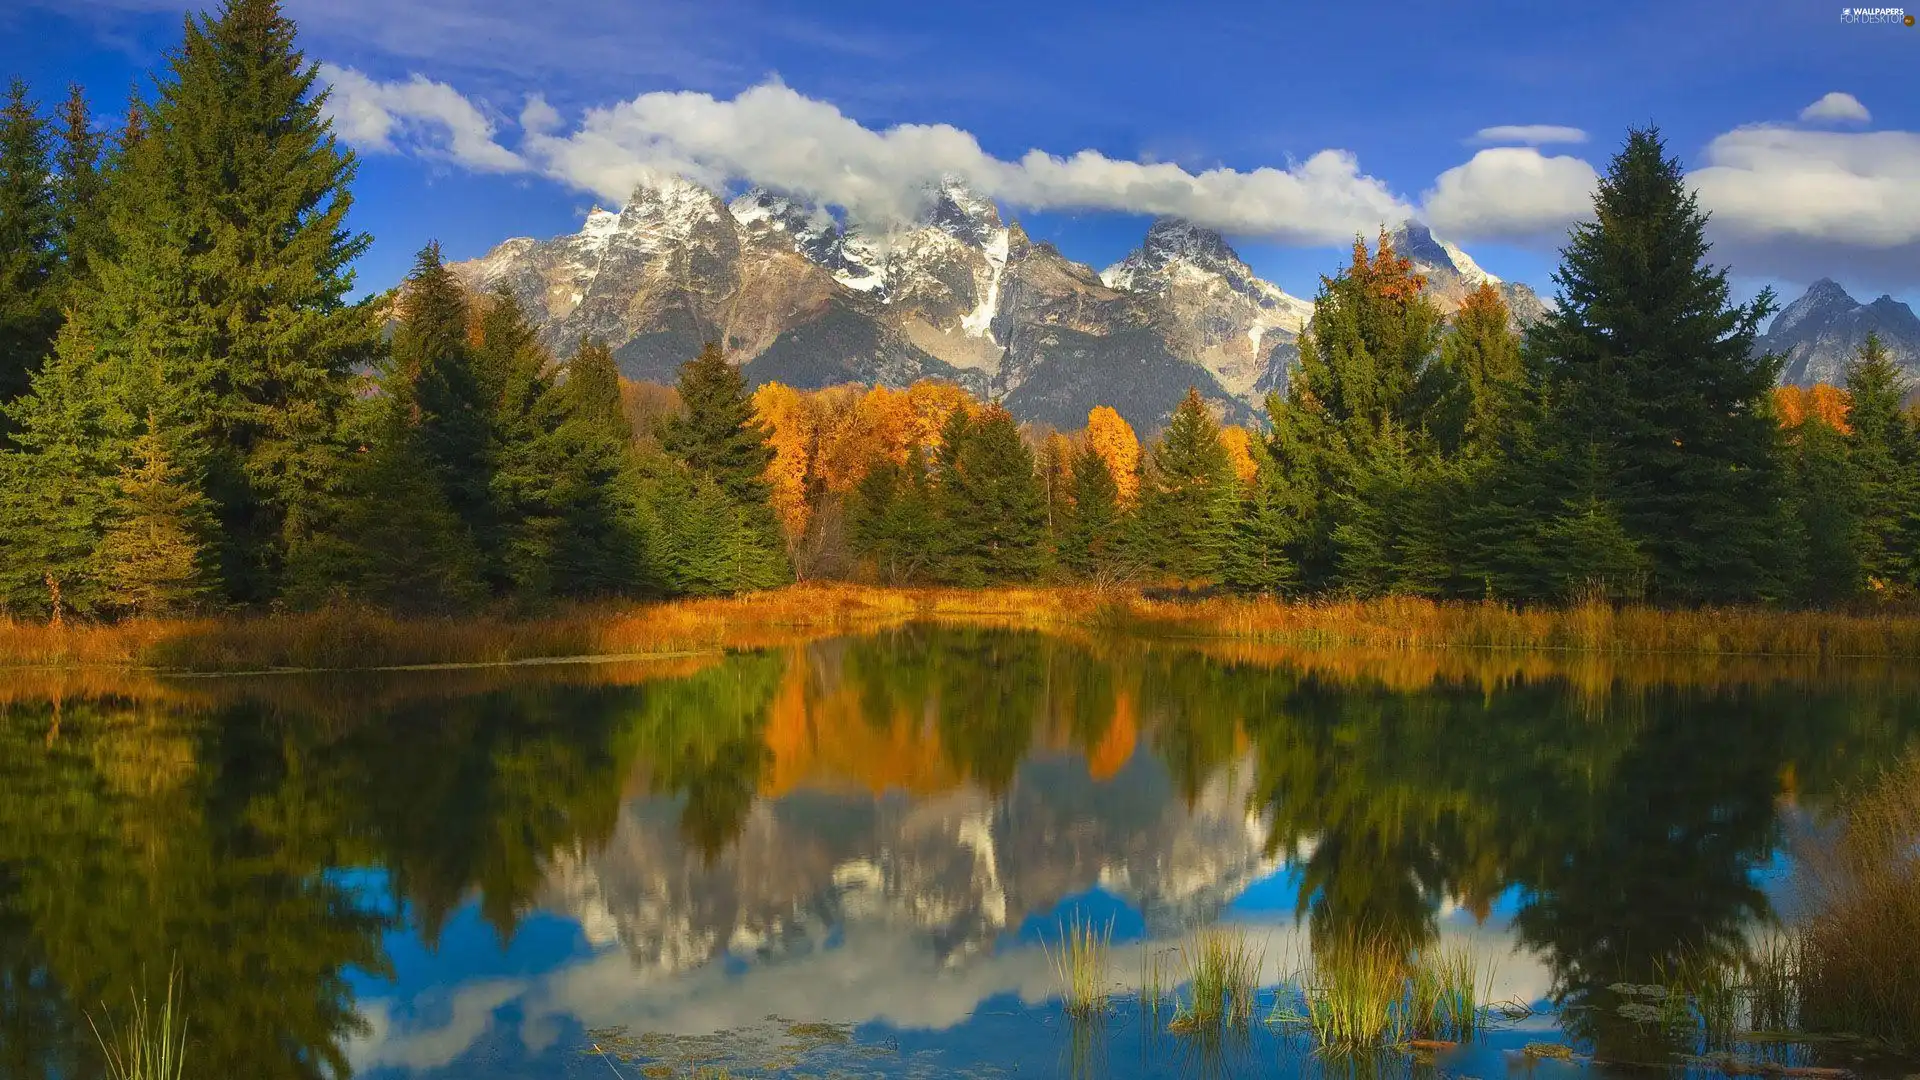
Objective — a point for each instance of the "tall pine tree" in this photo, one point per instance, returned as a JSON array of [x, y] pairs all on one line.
[[1190, 492], [719, 442], [1650, 375], [155, 555], [1885, 452], [992, 502], [79, 190], [29, 244]]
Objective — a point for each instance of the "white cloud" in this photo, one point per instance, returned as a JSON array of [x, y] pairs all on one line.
[[417, 115], [1511, 193], [1801, 204], [1529, 134], [1836, 107], [775, 136]]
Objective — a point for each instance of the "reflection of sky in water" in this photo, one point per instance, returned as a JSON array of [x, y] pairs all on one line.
[[470, 1001], [525, 1008]]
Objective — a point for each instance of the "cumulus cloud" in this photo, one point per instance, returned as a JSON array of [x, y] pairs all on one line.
[[1529, 134], [1803, 203], [775, 136], [417, 116], [1836, 108], [1511, 193]]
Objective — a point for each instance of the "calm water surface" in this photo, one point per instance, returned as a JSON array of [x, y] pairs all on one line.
[[844, 858]]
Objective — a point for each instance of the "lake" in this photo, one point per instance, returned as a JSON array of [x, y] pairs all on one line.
[[857, 856]]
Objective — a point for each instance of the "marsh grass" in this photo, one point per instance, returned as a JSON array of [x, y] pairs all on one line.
[[1446, 991], [151, 1045], [1856, 962], [1153, 983], [1081, 965], [360, 638], [1358, 995], [1221, 969]]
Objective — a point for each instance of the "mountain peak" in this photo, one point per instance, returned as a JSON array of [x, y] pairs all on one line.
[[958, 209]]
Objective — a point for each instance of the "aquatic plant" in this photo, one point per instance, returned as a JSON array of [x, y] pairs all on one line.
[[1080, 965], [1222, 971], [152, 1043], [1446, 989], [1358, 994], [1857, 961]]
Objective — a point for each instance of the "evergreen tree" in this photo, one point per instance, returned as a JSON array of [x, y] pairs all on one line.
[[440, 384], [1394, 524], [1190, 493], [1366, 374], [993, 507], [1482, 354], [1092, 523], [893, 519], [593, 382], [79, 190], [29, 244], [155, 556], [391, 537], [1257, 557], [1885, 454], [703, 541], [720, 441], [1824, 492], [1649, 371], [718, 435]]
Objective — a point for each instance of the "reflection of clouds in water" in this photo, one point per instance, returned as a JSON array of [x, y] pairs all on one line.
[[397, 1043], [877, 974]]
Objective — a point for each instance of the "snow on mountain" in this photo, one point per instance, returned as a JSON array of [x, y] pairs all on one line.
[[799, 294], [1451, 273]]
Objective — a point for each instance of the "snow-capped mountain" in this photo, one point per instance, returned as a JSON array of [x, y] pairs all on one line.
[[800, 295], [1820, 332], [1451, 274]]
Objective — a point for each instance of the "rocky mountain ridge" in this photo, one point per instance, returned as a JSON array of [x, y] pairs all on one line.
[[799, 296], [1822, 330]]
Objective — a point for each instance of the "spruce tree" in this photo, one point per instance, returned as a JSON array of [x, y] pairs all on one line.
[[1650, 371], [155, 556], [593, 382], [223, 303], [1885, 453], [992, 503], [29, 244], [1367, 373], [1824, 492], [437, 376], [1482, 354], [718, 435], [1092, 526], [79, 190], [893, 519], [1190, 493], [1257, 557]]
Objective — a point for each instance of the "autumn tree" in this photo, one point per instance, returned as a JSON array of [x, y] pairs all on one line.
[[1119, 448]]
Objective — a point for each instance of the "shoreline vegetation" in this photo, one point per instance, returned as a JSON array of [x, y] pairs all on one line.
[[367, 639]]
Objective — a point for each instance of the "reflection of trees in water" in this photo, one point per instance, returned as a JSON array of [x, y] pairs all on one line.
[[145, 835]]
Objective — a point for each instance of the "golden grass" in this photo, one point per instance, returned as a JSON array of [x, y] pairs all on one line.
[[1357, 995], [356, 638], [1857, 966], [1222, 972], [151, 1045], [1081, 965]]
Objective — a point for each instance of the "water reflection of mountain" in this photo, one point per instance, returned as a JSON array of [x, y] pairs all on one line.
[[960, 867], [921, 792]]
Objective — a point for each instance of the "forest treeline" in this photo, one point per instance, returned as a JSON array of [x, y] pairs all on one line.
[[195, 415]]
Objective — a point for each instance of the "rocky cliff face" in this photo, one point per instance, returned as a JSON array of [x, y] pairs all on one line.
[[1820, 332], [799, 296], [1451, 274]]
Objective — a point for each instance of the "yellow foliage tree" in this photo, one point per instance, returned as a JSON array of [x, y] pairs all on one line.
[[1239, 446], [788, 416], [1113, 439]]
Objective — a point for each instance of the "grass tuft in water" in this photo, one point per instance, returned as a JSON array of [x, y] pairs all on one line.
[[1081, 964], [1222, 973], [152, 1045], [1357, 995], [1445, 992]]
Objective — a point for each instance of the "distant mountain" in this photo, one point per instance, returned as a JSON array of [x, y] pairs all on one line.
[[1451, 274], [799, 296], [1822, 330]]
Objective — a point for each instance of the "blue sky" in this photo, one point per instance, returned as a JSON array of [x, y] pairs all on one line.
[[1288, 126]]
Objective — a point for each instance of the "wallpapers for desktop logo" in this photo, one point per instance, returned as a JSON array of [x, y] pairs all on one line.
[[1877, 16]]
